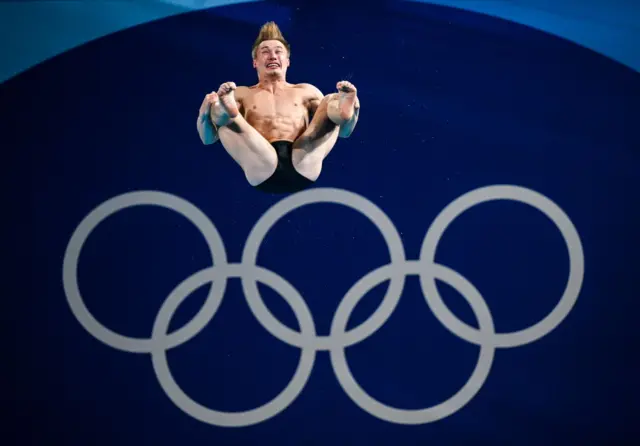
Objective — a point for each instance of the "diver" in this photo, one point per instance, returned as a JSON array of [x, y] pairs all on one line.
[[279, 133]]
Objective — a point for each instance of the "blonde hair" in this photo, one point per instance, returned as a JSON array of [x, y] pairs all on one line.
[[269, 31]]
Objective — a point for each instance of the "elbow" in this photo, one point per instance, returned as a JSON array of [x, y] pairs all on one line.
[[205, 138]]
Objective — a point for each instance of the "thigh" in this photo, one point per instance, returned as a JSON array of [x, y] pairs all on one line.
[[318, 139], [315, 144], [255, 155]]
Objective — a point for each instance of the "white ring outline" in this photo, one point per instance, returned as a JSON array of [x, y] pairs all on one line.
[[232, 419], [352, 201], [101, 213], [397, 270], [535, 200], [455, 402]]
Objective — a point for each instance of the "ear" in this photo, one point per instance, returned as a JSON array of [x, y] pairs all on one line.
[[254, 64]]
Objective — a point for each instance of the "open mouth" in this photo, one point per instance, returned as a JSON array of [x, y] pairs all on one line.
[[273, 65]]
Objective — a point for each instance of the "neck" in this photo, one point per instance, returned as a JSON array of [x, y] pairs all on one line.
[[272, 83]]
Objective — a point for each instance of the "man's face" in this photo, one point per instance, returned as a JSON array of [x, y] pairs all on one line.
[[271, 59]]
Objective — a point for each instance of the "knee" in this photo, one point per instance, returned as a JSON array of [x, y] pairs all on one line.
[[331, 100], [331, 97], [260, 171], [339, 115], [309, 167]]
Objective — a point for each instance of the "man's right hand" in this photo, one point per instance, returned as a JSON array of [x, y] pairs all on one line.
[[209, 100], [221, 107], [207, 132]]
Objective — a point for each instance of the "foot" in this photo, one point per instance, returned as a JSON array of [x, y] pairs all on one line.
[[347, 99], [224, 108]]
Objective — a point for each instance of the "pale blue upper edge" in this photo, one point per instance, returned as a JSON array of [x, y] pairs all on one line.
[[34, 31]]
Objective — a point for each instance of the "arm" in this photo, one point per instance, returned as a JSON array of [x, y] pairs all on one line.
[[206, 130], [313, 98], [347, 128]]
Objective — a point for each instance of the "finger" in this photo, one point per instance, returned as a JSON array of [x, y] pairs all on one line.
[[226, 88], [345, 86]]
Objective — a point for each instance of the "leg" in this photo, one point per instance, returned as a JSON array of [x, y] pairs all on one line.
[[345, 108], [315, 144], [249, 149], [335, 117], [243, 143]]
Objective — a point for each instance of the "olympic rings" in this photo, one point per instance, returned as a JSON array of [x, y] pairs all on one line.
[[307, 340], [102, 212], [536, 200]]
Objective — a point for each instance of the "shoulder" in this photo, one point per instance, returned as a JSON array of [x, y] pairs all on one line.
[[310, 91], [242, 92]]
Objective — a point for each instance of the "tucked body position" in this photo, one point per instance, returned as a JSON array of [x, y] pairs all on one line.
[[278, 133]]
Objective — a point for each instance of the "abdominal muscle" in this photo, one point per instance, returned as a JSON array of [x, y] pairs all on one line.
[[276, 118], [277, 127]]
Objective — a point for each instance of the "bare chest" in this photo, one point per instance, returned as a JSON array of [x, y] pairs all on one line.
[[267, 106]]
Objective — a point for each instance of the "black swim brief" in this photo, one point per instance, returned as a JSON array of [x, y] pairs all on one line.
[[286, 178]]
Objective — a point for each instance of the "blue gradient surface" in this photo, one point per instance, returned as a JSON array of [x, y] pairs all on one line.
[[451, 101], [609, 27]]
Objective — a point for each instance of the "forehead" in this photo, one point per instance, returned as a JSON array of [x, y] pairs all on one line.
[[271, 45]]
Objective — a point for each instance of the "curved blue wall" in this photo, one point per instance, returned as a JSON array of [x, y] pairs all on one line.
[[37, 30], [463, 271]]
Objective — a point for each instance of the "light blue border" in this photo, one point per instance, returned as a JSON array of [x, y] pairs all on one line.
[[34, 31]]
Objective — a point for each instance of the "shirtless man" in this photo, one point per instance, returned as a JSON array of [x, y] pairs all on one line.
[[279, 133]]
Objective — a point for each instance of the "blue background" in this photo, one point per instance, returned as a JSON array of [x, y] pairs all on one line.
[[451, 101]]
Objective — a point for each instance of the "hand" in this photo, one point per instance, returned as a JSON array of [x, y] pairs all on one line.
[[226, 88], [348, 102], [205, 108], [347, 90], [346, 87], [228, 108]]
